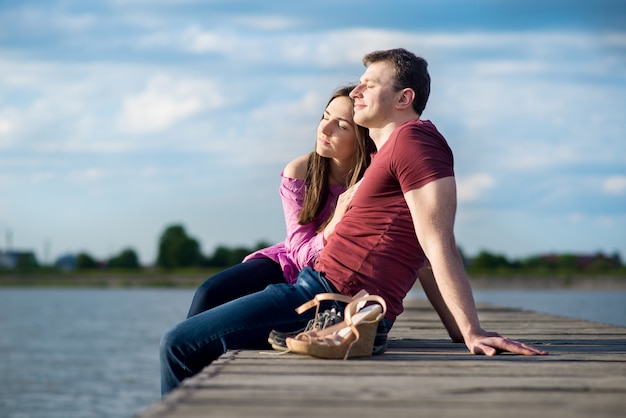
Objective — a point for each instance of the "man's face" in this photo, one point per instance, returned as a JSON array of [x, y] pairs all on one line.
[[374, 96]]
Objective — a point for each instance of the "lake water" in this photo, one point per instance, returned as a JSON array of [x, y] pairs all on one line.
[[80, 353]]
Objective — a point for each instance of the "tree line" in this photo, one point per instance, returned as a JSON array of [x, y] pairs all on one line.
[[178, 250], [486, 263]]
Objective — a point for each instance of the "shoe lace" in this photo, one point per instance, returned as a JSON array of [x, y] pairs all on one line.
[[325, 319]]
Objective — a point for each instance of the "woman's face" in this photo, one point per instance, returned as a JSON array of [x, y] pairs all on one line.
[[336, 137]]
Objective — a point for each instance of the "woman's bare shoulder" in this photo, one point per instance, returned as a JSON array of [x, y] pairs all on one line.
[[296, 169]]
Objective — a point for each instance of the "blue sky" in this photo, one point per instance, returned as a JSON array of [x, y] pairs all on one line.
[[119, 118]]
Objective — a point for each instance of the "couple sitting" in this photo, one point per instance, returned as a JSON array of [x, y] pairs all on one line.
[[352, 232]]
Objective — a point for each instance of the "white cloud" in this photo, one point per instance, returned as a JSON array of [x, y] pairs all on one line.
[[199, 41], [6, 126], [164, 102], [264, 40], [511, 67], [74, 22], [615, 185], [534, 41], [268, 22], [576, 217], [542, 156], [39, 18], [280, 130], [9, 125], [472, 187], [89, 175], [600, 220]]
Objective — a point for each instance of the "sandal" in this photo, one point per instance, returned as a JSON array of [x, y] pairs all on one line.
[[354, 337], [327, 296], [278, 340]]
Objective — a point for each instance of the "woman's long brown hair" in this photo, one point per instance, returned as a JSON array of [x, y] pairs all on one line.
[[318, 168]]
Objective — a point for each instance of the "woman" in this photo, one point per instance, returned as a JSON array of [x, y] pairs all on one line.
[[314, 200], [310, 188]]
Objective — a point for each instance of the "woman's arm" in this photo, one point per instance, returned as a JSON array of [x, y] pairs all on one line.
[[303, 243]]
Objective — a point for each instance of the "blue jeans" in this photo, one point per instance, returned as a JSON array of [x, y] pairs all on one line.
[[234, 282], [242, 323]]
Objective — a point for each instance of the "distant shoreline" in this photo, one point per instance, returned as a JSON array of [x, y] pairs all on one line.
[[194, 279], [573, 283]]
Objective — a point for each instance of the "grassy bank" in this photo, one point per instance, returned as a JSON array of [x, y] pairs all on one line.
[[549, 282], [108, 278]]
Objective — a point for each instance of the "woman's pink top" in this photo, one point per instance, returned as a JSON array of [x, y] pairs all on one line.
[[303, 243]]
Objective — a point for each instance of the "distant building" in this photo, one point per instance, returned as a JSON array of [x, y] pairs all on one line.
[[66, 262], [10, 260]]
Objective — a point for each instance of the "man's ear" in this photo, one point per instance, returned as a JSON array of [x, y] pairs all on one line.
[[405, 98]]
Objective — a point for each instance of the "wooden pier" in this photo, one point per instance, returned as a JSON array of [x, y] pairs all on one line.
[[423, 374]]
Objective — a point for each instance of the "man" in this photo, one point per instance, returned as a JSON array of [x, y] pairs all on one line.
[[403, 212], [401, 215]]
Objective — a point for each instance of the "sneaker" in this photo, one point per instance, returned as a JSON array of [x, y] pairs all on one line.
[[329, 317], [278, 339], [380, 341]]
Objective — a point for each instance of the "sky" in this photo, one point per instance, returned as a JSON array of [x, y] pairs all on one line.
[[119, 118]]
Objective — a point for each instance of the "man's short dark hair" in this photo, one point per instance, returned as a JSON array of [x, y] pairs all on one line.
[[410, 70]]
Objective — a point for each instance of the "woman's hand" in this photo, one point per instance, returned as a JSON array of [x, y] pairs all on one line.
[[344, 201], [343, 204]]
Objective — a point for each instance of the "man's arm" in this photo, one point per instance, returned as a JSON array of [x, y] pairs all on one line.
[[433, 209], [429, 285]]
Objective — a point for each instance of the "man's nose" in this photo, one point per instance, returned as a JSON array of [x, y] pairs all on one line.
[[356, 91]]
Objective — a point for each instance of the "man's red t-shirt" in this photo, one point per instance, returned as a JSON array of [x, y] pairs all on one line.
[[374, 247]]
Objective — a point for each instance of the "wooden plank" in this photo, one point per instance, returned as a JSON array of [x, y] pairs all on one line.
[[423, 374]]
